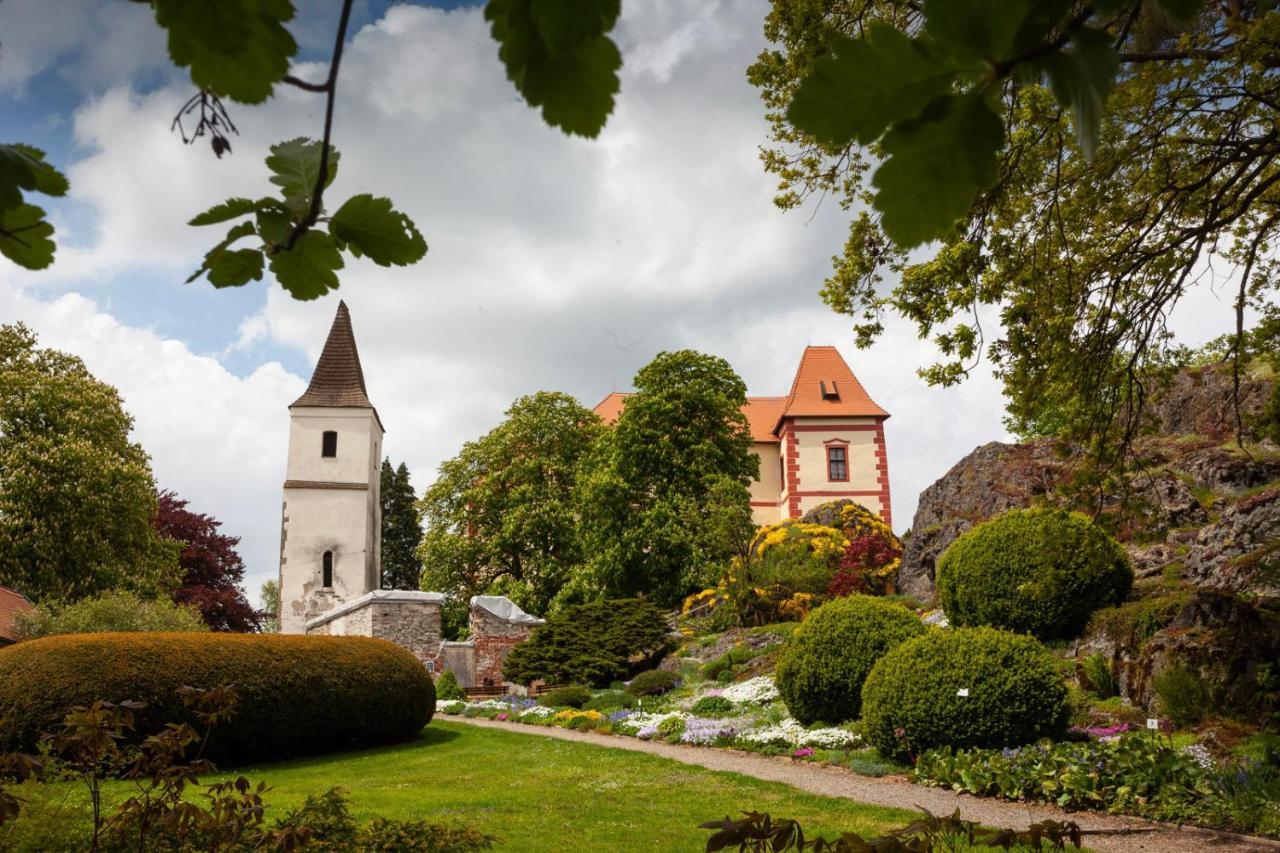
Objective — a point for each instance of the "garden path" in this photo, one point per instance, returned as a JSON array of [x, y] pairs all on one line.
[[1127, 833]]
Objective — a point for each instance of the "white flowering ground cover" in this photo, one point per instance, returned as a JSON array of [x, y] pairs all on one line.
[[758, 721]]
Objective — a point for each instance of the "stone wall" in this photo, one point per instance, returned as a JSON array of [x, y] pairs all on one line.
[[406, 618], [496, 626]]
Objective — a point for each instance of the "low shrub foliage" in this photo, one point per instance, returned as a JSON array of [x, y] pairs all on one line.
[[711, 705], [824, 662], [447, 687], [590, 643], [1182, 695], [570, 696], [963, 687], [119, 610], [653, 682], [1037, 571], [298, 695], [1099, 674]]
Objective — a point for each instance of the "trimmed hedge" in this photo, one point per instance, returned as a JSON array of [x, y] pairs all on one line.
[[823, 663], [298, 695], [653, 682], [569, 696], [914, 698], [1036, 571]]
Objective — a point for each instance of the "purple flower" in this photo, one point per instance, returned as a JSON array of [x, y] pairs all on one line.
[[619, 716]]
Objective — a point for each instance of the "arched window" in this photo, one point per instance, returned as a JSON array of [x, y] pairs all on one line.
[[327, 570], [329, 444]]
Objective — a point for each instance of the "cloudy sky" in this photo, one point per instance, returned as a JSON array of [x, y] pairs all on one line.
[[555, 263]]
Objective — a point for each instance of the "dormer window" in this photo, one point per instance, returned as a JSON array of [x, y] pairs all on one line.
[[326, 570], [829, 390], [329, 444]]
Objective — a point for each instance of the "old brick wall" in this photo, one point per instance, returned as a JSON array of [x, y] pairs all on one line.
[[493, 638]]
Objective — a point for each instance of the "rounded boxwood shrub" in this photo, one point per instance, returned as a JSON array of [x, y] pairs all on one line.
[[298, 695], [448, 688], [653, 682], [610, 700], [571, 696], [822, 665], [712, 706], [1036, 571], [963, 687]]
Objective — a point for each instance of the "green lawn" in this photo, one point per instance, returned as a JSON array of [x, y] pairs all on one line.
[[538, 793]]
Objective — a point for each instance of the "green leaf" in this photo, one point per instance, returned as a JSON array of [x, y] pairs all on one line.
[[975, 29], [936, 165], [563, 26], [22, 167], [309, 269], [1081, 79], [370, 226], [234, 268], [867, 85], [25, 237], [294, 166], [274, 225], [1181, 10], [573, 75], [237, 231], [237, 49], [229, 209]]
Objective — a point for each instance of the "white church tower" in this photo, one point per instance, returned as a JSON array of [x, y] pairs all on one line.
[[330, 537]]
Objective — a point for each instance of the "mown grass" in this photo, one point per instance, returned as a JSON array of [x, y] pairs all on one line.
[[534, 793]]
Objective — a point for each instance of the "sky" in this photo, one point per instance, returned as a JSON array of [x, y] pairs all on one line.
[[555, 263]]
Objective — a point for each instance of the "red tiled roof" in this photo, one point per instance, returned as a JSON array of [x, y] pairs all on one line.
[[12, 603], [762, 413], [825, 365]]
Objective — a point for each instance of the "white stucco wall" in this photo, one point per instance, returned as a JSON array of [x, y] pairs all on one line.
[[330, 504], [766, 491]]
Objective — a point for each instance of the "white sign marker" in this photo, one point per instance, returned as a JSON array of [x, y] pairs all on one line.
[[963, 691]]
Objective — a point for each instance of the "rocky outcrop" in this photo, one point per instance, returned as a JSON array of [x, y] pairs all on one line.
[[1187, 503], [992, 479]]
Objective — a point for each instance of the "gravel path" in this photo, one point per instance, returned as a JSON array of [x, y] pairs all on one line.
[[1126, 833]]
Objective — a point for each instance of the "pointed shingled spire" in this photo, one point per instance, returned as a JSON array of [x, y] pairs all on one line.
[[338, 380]]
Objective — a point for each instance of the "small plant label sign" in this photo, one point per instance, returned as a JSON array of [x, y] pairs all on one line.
[[1153, 723], [963, 691]]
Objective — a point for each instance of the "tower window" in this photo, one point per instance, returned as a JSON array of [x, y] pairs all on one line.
[[329, 444], [837, 463], [326, 572]]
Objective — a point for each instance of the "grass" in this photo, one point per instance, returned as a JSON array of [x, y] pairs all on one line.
[[540, 794]]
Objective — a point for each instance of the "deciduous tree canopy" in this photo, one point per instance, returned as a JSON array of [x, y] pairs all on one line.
[[1079, 165], [76, 495]]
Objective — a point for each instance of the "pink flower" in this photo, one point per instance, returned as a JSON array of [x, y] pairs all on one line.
[[501, 717], [899, 732], [803, 752]]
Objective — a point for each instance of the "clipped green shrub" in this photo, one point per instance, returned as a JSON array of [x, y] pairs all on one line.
[[1097, 671], [1182, 695], [964, 688], [653, 682], [823, 663], [1035, 571], [671, 728], [712, 705], [118, 610], [571, 696], [447, 687], [592, 643], [610, 700], [298, 695]]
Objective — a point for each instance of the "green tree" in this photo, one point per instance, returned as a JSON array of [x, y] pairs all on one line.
[[401, 531], [76, 495], [1074, 164], [117, 610], [240, 51], [270, 607], [500, 517], [664, 496]]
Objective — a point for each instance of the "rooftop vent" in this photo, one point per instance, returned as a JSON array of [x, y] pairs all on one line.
[[832, 393]]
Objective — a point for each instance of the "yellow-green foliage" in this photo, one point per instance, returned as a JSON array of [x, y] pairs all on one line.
[[1037, 571], [298, 695], [793, 554], [824, 662], [963, 687], [119, 610]]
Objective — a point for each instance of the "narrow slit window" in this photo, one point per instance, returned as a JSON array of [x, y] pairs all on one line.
[[326, 572], [329, 444], [837, 463]]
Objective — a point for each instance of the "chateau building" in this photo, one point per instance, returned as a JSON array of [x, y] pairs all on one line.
[[331, 532], [823, 441]]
